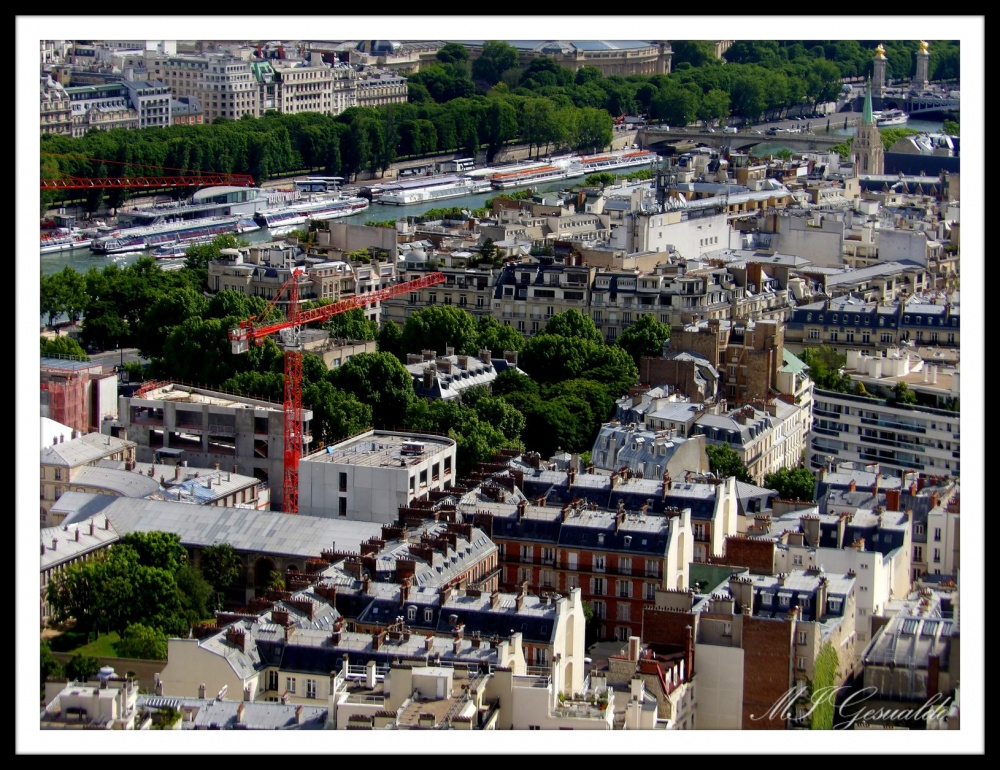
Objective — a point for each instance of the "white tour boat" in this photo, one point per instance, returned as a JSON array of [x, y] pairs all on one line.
[[537, 172], [296, 214], [615, 161], [435, 188], [178, 232], [890, 118]]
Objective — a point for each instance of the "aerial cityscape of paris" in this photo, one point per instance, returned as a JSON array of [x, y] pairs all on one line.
[[458, 383]]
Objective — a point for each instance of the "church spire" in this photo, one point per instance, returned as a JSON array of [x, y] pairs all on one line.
[[866, 115]]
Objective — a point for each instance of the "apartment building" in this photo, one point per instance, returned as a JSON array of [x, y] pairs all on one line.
[[379, 88], [104, 107], [210, 427], [755, 640], [912, 664], [214, 713], [647, 452], [878, 429], [468, 288], [943, 528], [660, 687], [224, 84], [55, 108], [320, 658], [553, 525], [287, 653], [660, 408], [151, 99], [767, 437], [106, 465], [610, 57], [264, 269], [846, 486], [301, 85], [616, 559], [76, 465], [673, 295], [370, 476], [880, 283], [527, 294], [873, 544], [846, 323], [108, 703], [186, 111]]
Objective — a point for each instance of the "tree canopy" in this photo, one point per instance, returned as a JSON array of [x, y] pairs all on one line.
[[645, 337], [792, 483], [724, 461]]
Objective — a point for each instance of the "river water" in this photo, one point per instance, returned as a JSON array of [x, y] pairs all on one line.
[[82, 260]]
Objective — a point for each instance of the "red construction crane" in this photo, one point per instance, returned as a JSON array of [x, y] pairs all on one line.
[[156, 179], [291, 337]]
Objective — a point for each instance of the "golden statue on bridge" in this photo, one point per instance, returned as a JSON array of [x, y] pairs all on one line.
[[923, 46]]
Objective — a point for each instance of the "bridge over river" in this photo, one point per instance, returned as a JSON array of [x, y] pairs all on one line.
[[660, 139]]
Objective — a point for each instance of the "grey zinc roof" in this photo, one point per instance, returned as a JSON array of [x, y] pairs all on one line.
[[83, 450], [69, 546], [677, 411], [209, 713], [121, 482], [912, 635], [865, 273], [744, 490], [79, 506], [245, 529]]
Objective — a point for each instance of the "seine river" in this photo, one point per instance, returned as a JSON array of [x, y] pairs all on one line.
[[82, 260]]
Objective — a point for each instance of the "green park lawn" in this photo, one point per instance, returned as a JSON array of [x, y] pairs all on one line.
[[76, 643]]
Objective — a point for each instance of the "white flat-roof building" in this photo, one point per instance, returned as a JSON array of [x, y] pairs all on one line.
[[368, 477]]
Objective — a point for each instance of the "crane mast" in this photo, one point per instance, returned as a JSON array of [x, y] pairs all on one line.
[[290, 331]]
